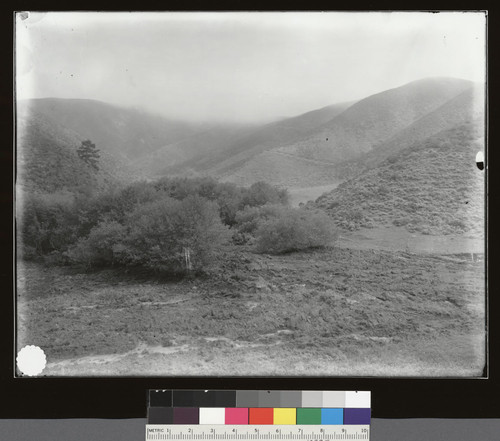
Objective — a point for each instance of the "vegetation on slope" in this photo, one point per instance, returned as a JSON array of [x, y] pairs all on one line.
[[48, 162], [433, 187], [125, 132], [468, 106]]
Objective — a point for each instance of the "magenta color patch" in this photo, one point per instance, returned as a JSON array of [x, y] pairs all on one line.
[[236, 415]]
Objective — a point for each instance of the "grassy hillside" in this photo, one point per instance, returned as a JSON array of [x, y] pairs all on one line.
[[285, 170], [467, 106], [376, 119], [191, 155], [433, 187], [246, 147]]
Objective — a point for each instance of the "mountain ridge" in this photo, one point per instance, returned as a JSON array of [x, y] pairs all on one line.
[[320, 147]]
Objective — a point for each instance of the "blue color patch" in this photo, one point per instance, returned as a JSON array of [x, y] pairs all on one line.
[[332, 416]]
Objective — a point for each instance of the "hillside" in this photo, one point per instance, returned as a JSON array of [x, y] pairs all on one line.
[[47, 159], [432, 187], [189, 155], [377, 118], [360, 128], [117, 130], [219, 150], [467, 106]]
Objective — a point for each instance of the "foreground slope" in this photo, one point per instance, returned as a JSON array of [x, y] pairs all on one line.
[[432, 187], [317, 313]]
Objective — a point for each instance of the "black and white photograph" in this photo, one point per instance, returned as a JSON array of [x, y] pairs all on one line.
[[245, 194]]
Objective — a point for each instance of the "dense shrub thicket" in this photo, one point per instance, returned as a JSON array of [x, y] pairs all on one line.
[[229, 197], [155, 235], [155, 224], [293, 230]]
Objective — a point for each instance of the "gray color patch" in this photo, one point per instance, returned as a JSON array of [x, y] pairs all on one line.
[[290, 398], [269, 398], [247, 398], [334, 399], [312, 398]]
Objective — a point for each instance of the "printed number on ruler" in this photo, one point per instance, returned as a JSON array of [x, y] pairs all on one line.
[[160, 432]]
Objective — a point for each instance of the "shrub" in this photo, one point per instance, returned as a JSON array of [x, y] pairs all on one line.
[[401, 222], [101, 247], [262, 193], [250, 218], [160, 231], [47, 223], [458, 224], [228, 196], [354, 215], [293, 230]]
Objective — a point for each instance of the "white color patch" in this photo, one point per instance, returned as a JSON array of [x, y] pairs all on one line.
[[358, 399], [212, 415], [31, 360], [480, 157]]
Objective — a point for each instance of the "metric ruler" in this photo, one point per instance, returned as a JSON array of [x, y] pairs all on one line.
[[168, 432]]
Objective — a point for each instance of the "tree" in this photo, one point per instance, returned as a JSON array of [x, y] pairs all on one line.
[[88, 153]]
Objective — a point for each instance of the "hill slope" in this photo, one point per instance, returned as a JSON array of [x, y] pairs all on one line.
[[377, 118], [433, 187], [120, 131], [362, 127], [47, 159], [218, 150], [189, 155], [468, 106]]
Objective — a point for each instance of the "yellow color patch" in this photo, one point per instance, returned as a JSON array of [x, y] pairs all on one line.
[[285, 415]]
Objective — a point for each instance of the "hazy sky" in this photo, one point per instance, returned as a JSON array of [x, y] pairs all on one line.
[[240, 66]]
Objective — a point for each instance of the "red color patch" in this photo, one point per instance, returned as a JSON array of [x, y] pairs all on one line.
[[261, 415]]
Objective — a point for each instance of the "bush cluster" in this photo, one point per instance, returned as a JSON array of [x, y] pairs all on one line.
[[146, 224], [294, 230], [156, 236]]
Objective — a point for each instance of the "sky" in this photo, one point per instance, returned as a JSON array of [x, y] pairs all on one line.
[[240, 67]]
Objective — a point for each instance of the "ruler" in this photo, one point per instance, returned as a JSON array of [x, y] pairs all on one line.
[[167, 432]]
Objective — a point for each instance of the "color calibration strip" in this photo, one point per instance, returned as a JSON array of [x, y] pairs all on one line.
[[200, 407]]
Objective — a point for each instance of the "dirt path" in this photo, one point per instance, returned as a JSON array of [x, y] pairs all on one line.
[[399, 239]]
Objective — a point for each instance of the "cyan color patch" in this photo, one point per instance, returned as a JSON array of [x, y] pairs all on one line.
[[332, 416]]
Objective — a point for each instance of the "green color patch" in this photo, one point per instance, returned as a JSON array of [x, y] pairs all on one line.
[[309, 416]]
